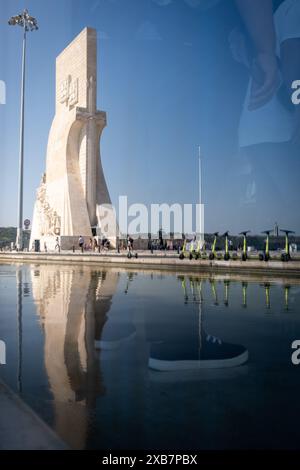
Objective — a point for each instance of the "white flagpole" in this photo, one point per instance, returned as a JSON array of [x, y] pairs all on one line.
[[200, 177], [201, 217]]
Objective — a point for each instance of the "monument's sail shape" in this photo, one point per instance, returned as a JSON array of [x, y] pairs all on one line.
[[73, 191]]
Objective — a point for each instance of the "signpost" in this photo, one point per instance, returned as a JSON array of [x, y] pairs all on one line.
[[26, 224]]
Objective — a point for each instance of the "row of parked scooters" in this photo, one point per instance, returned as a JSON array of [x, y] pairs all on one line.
[[195, 250]]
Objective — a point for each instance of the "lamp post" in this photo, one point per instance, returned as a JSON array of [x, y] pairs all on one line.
[[28, 23]]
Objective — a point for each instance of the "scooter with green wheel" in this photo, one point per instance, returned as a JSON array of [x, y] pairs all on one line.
[[213, 252], [265, 256], [286, 255], [244, 254], [226, 254]]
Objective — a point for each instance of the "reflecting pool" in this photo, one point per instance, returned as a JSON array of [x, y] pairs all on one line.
[[112, 358]]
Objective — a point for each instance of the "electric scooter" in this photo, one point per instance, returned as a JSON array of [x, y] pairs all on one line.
[[130, 252], [190, 252], [226, 254], [266, 255], [286, 256], [183, 250], [195, 253], [244, 254], [212, 254]]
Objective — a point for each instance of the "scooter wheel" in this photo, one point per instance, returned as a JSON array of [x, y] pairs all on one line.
[[244, 257], [181, 256], [197, 256], [261, 257], [283, 257], [226, 256], [266, 257], [129, 255], [191, 257], [211, 256], [136, 256]]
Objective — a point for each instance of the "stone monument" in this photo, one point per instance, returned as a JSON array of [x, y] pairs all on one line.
[[73, 198]]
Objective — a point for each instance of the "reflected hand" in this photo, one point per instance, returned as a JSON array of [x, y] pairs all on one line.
[[266, 80], [238, 48]]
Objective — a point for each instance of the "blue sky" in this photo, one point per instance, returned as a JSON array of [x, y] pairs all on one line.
[[167, 82]]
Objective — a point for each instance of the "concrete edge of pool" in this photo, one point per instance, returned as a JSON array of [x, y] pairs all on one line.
[[161, 261], [21, 428]]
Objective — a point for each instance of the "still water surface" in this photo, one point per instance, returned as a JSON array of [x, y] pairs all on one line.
[[116, 359]]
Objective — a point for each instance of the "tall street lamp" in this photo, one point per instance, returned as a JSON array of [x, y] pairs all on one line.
[[28, 23]]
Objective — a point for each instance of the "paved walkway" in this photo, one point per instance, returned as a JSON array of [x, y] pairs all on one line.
[[159, 260]]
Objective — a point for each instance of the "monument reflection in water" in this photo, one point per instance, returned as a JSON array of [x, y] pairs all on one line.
[[73, 306], [149, 360]]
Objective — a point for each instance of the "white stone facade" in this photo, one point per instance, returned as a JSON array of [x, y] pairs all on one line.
[[73, 189]]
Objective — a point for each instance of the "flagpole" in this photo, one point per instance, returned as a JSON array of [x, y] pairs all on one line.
[[201, 234], [200, 176]]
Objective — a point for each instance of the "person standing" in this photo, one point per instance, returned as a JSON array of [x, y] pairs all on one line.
[[81, 243], [129, 243], [57, 246]]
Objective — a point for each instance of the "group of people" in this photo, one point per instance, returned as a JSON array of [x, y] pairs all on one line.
[[93, 244], [166, 245]]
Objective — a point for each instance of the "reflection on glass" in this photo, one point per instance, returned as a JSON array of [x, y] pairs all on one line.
[[193, 347]]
